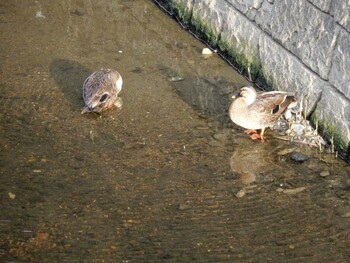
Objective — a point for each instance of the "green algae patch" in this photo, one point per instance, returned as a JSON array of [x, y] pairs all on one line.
[[183, 13], [329, 130], [248, 64]]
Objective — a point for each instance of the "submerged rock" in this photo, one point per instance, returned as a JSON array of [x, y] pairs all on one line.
[[298, 157], [175, 79]]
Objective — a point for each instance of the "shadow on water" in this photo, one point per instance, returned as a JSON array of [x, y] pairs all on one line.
[[152, 181], [70, 76], [209, 95]]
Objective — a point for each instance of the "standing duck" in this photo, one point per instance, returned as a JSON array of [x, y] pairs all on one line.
[[259, 110], [100, 91]]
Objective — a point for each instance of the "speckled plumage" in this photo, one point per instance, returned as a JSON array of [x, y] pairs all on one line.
[[101, 89], [259, 110]]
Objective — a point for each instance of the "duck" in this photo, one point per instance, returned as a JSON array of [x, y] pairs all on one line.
[[254, 110], [101, 89]]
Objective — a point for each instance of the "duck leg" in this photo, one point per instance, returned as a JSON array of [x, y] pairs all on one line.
[[253, 134], [250, 131], [262, 135]]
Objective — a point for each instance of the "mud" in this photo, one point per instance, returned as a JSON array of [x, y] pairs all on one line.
[[166, 178]]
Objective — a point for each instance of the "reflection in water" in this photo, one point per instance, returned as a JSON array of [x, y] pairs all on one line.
[[151, 182], [256, 164]]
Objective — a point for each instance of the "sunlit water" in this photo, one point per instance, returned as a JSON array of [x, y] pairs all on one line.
[[167, 177]]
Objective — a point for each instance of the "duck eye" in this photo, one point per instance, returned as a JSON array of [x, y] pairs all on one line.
[[275, 109], [103, 97]]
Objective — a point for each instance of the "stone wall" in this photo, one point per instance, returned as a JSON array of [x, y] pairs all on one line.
[[301, 46]]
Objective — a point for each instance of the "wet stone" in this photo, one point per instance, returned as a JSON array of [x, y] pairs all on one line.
[[298, 128], [145, 184], [298, 157], [324, 173], [240, 193], [176, 79]]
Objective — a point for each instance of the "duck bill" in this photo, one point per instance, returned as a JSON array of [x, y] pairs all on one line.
[[236, 95], [85, 110]]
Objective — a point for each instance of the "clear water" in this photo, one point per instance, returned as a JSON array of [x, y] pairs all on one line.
[[168, 177]]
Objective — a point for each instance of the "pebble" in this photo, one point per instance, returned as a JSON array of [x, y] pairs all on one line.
[[240, 193], [206, 51], [39, 14], [11, 195], [324, 173], [298, 157], [294, 191], [298, 128], [175, 79]]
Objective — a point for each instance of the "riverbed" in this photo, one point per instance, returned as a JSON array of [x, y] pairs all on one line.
[[166, 178]]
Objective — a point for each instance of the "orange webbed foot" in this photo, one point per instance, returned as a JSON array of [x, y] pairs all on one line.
[[254, 135], [249, 131]]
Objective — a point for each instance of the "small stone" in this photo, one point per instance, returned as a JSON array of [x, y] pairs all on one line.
[[324, 173], [11, 195], [298, 157], [297, 128], [294, 191], [39, 14], [206, 51], [240, 193], [175, 79]]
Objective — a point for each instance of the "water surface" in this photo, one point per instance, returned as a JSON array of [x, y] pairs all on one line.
[[167, 177]]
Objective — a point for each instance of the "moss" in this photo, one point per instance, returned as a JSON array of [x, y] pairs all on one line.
[[329, 130], [241, 61], [204, 31], [183, 14]]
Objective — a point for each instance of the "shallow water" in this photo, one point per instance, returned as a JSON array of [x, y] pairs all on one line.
[[167, 177]]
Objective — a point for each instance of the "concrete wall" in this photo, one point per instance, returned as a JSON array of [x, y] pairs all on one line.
[[301, 46]]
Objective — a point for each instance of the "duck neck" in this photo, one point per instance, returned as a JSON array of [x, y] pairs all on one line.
[[251, 98]]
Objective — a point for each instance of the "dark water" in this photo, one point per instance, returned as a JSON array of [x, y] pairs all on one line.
[[167, 177]]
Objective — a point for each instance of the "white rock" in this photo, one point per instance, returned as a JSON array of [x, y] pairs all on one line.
[[297, 128], [206, 51]]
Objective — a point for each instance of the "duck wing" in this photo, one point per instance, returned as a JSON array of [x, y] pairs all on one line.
[[274, 102]]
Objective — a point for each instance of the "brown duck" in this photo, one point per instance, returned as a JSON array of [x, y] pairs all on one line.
[[259, 110], [100, 91]]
